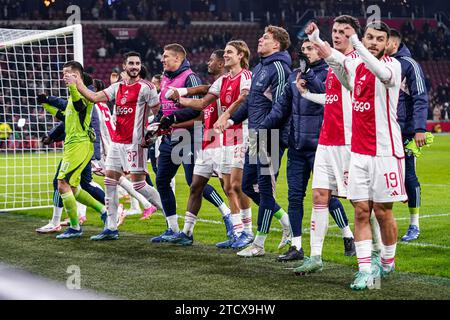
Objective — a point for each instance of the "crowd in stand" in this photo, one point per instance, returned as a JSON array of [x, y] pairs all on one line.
[[439, 109], [428, 43], [209, 9]]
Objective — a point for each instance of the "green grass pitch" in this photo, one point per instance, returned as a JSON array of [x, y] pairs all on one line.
[[133, 268]]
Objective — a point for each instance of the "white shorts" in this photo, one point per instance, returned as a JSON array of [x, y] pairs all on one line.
[[233, 157], [379, 179], [330, 171], [208, 162], [98, 167], [126, 157]]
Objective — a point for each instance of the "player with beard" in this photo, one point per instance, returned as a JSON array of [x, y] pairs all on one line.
[[134, 99], [376, 171]]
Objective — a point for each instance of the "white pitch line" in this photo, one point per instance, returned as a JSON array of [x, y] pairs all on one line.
[[435, 185], [425, 216], [413, 244], [426, 245], [306, 231]]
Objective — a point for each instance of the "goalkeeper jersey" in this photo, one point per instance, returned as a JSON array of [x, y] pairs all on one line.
[[77, 123]]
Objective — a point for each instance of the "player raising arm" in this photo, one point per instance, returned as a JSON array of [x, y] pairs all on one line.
[[132, 98], [229, 89], [376, 173]]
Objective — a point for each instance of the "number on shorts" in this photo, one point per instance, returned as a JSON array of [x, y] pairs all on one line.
[[239, 153], [64, 166], [132, 156], [391, 179]]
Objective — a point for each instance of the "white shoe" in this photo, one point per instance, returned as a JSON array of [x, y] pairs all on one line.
[[252, 251], [48, 228], [286, 239]]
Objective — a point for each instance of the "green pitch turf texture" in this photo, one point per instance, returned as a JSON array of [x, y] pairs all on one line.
[[135, 269]]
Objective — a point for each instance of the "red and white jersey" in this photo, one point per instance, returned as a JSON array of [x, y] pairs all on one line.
[[337, 118], [211, 139], [107, 126], [133, 103], [228, 89], [376, 131]]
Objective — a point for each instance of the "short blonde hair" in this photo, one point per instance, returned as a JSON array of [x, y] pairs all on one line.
[[280, 35], [177, 48]]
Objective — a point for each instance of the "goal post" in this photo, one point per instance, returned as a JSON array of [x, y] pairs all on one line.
[[31, 62]]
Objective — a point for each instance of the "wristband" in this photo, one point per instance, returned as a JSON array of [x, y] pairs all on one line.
[[314, 37], [168, 93], [182, 92]]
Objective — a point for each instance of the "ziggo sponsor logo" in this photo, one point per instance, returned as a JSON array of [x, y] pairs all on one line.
[[361, 106], [330, 98], [124, 110], [208, 111]]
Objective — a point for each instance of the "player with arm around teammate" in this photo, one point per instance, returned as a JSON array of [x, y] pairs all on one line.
[[134, 99]]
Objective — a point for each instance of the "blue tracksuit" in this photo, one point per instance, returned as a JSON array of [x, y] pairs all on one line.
[[167, 168], [268, 80], [412, 113], [305, 118], [151, 148]]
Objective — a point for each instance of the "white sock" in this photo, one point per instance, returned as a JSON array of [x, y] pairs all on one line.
[[297, 242], [377, 243], [414, 219], [148, 192], [238, 227], [135, 204], [111, 203], [172, 184], [189, 223], [121, 192], [319, 228], [388, 256], [260, 240], [56, 218], [81, 210], [172, 221], [347, 232], [246, 216], [224, 210], [363, 254], [128, 186], [284, 221]]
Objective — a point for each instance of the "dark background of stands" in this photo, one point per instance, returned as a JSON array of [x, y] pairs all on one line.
[[205, 25]]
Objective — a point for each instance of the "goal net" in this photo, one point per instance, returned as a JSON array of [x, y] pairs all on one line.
[[30, 63]]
